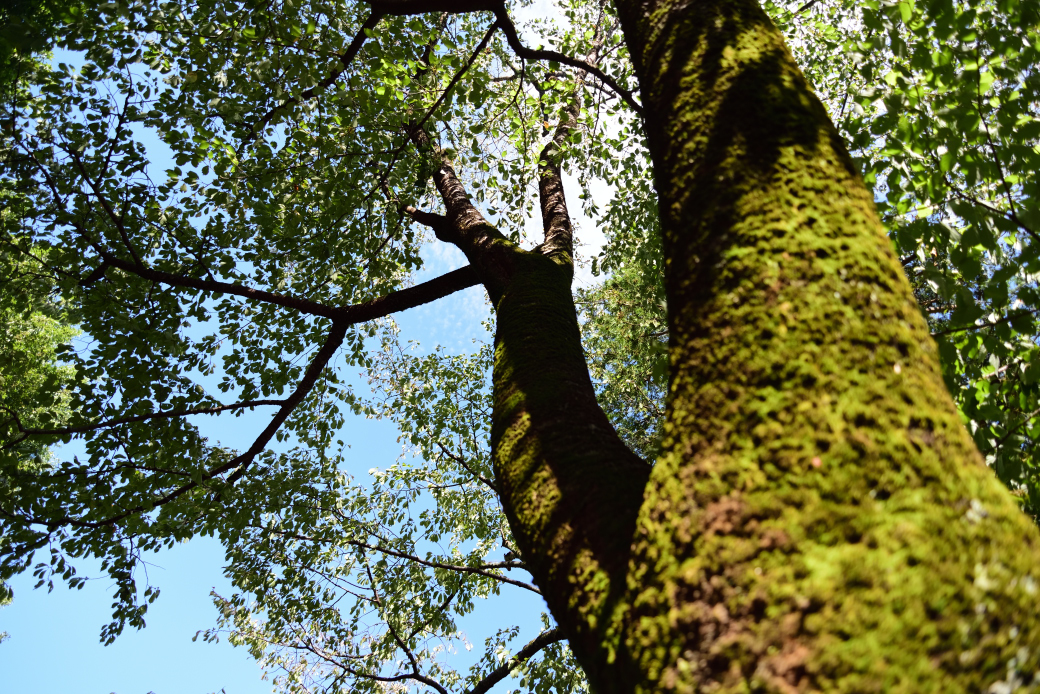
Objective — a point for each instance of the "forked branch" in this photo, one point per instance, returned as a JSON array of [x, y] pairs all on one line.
[[541, 54], [416, 133]]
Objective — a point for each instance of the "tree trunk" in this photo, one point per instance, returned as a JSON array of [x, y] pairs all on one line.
[[819, 519]]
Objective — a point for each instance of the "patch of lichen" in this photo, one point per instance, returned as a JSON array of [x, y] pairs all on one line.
[[819, 519]]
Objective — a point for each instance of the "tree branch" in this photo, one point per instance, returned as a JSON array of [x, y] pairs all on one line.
[[478, 570], [458, 459], [458, 76], [418, 136], [343, 317], [465, 226], [527, 652], [216, 286], [409, 7], [508, 564], [1009, 215], [95, 275], [440, 610], [345, 60], [556, 221], [442, 228], [540, 54], [1005, 319], [410, 297], [243, 460], [1015, 428], [1012, 213], [400, 642], [117, 220], [138, 418], [356, 313], [401, 8], [310, 377], [416, 131]]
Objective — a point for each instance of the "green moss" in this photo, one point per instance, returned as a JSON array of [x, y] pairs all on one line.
[[819, 519], [570, 488]]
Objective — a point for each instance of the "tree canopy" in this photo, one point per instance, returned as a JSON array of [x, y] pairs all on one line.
[[227, 200]]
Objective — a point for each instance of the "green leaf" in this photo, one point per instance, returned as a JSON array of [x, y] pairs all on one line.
[[906, 10]]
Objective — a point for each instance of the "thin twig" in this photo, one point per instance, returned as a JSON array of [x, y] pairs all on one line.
[[460, 461], [1009, 216], [138, 418], [117, 220], [345, 59], [480, 571], [1015, 428]]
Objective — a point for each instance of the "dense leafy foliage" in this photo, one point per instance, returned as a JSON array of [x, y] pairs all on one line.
[[34, 386], [207, 201], [625, 338], [27, 29], [34, 323]]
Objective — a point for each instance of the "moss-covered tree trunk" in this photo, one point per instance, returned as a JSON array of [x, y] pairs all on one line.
[[819, 520]]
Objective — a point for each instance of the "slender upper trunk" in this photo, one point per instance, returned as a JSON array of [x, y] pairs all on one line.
[[570, 487], [568, 484]]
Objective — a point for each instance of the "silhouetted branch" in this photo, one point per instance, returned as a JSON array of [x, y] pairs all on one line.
[[408, 7], [1006, 319], [480, 571], [502, 671], [137, 418], [1015, 428], [345, 59], [541, 54]]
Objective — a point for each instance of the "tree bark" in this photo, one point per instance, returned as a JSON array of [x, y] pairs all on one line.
[[819, 519], [568, 484]]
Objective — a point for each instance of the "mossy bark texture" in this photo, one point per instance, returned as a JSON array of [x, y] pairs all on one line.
[[819, 519], [568, 484]]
